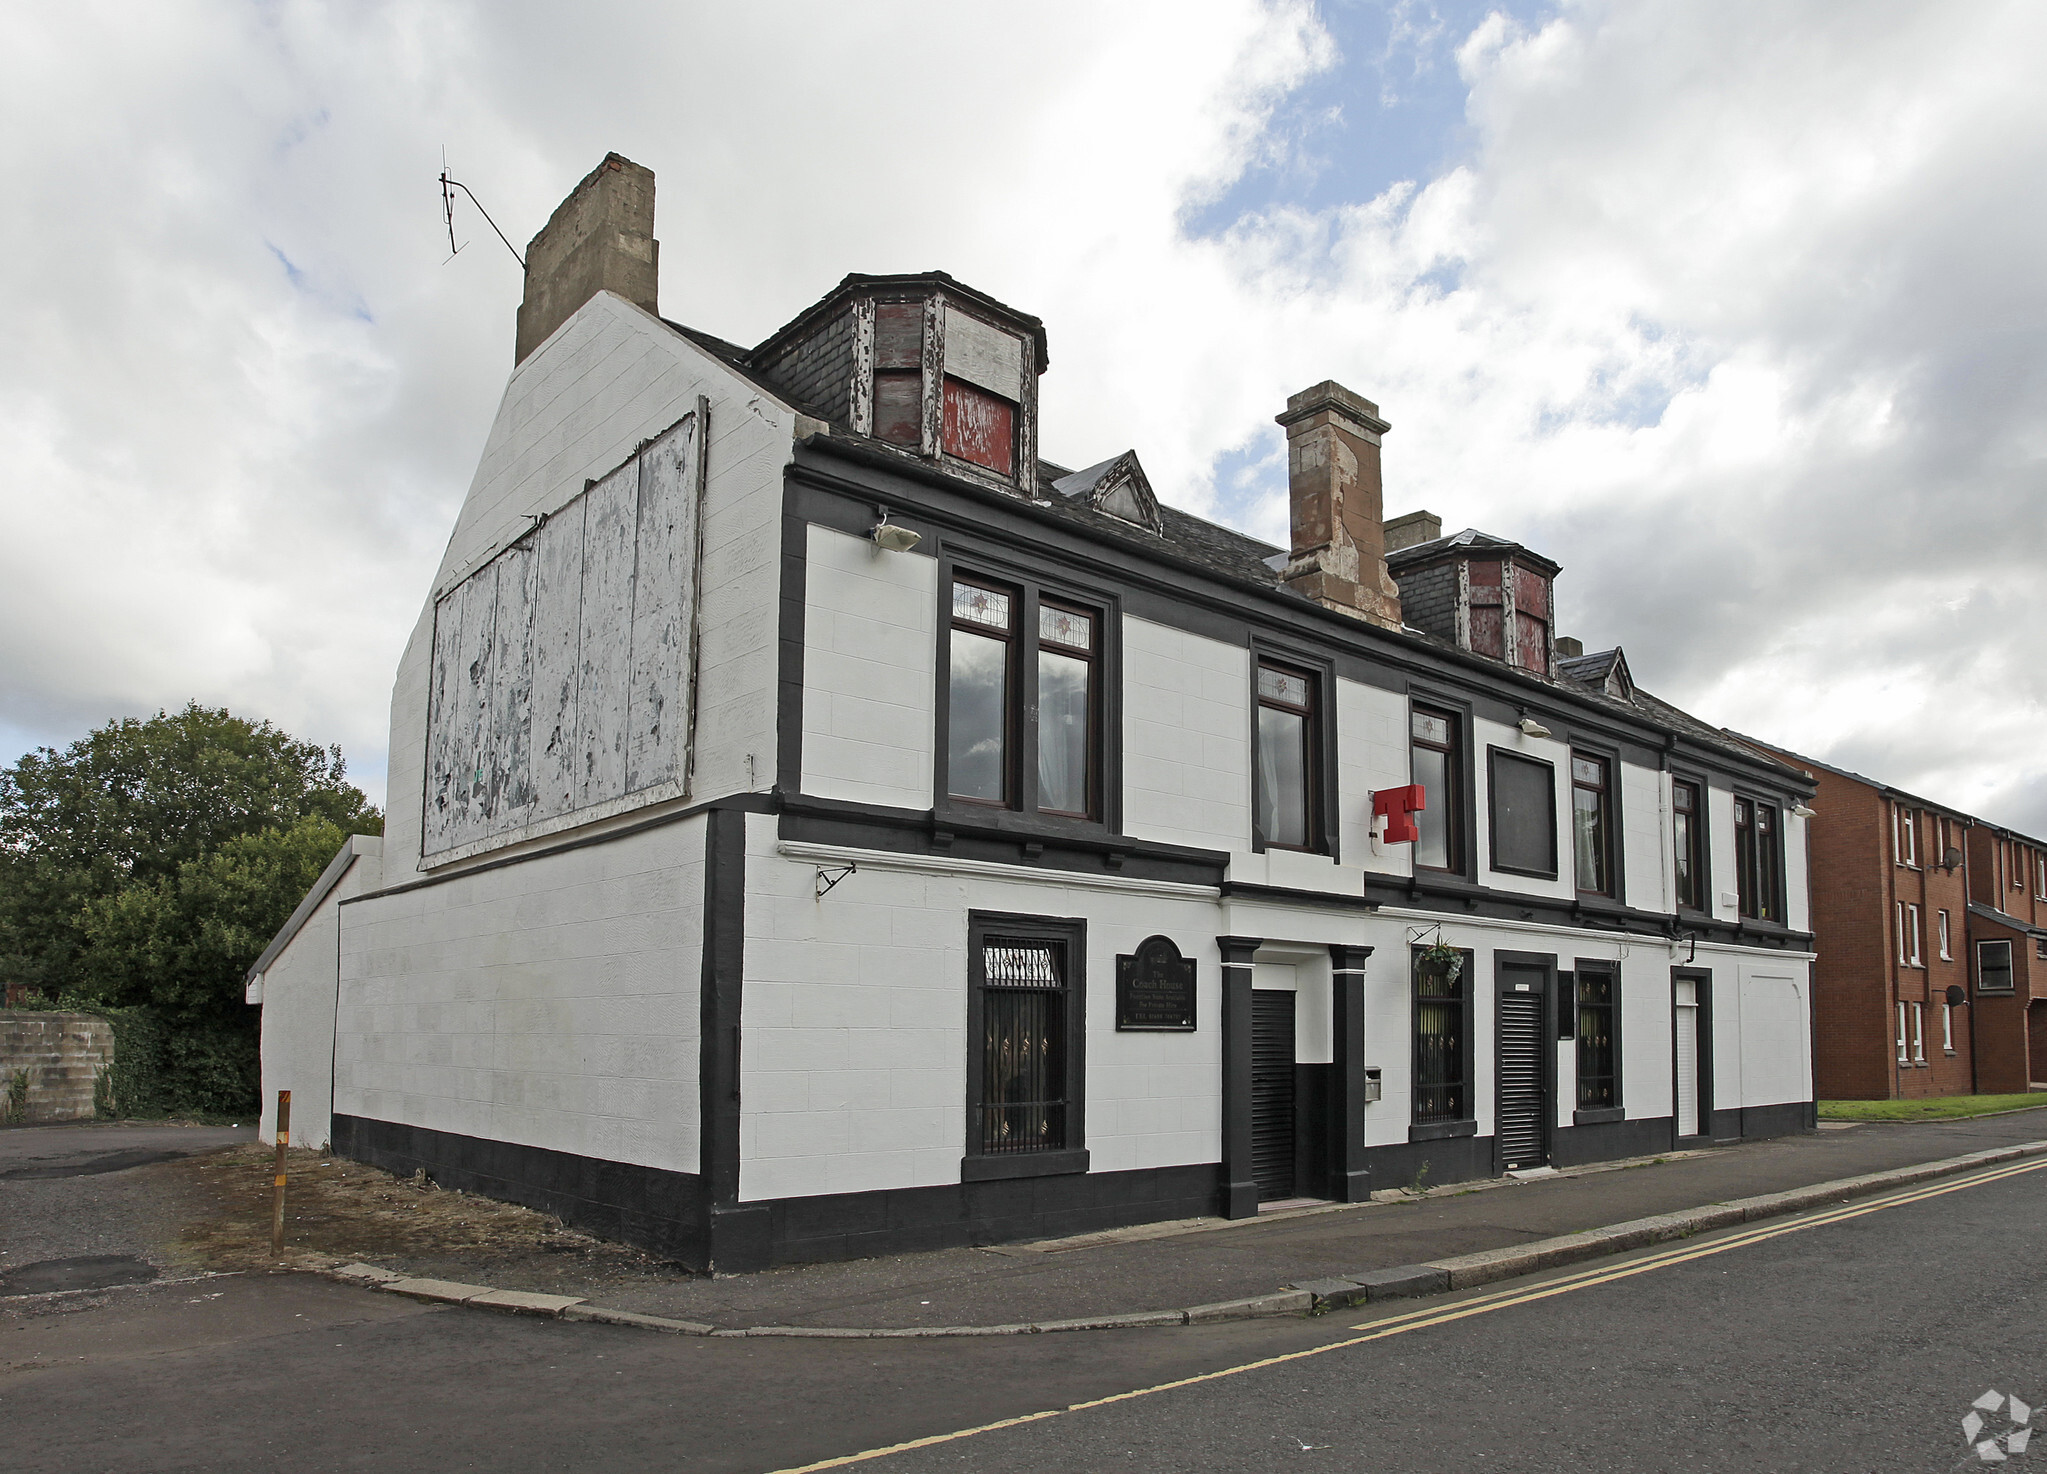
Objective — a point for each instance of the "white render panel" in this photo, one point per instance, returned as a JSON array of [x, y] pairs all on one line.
[[554, 1003], [1645, 839], [1186, 738], [869, 647], [1775, 1036], [1797, 880], [1485, 736], [983, 355], [1720, 853], [854, 1054], [1646, 1023], [298, 1011], [609, 379], [1373, 752]]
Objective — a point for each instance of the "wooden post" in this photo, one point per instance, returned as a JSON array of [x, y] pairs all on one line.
[[277, 1191]]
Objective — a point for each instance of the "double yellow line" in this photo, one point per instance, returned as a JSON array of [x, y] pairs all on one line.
[[1485, 1304]]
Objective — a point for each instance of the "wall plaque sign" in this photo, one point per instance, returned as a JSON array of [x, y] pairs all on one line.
[[1155, 989]]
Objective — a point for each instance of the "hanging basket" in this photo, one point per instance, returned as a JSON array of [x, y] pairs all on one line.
[[1444, 959]]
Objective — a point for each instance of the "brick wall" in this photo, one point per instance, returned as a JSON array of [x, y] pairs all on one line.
[[1853, 1017]]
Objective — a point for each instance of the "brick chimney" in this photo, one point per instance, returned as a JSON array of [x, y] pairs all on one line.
[[599, 239], [1336, 499]]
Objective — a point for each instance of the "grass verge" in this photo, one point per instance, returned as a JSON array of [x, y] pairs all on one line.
[[1933, 1108]]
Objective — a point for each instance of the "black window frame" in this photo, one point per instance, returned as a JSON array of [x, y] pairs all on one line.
[[1070, 933], [1030, 589], [1750, 852], [1425, 1127], [1321, 757], [1457, 769], [1613, 1108], [1700, 834], [1614, 855], [1493, 757]]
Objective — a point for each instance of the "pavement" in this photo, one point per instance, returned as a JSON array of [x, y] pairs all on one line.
[[94, 1227], [1162, 1268], [1856, 1339]]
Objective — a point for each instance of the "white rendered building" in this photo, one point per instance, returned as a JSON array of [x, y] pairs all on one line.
[[819, 827]]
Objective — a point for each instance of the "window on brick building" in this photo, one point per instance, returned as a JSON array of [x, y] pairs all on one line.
[[1947, 1028], [1918, 1033], [1902, 1059], [1905, 835], [1946, 942], [1993, 967], [1908, 934]]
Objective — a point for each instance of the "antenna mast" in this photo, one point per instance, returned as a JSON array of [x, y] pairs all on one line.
[[449, 184]]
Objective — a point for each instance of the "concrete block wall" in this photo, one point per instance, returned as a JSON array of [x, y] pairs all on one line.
[[1428, 600], [49, 1063], [1186, 738], [555, 1003], [609, 378], [854, 1052], [299, 989]]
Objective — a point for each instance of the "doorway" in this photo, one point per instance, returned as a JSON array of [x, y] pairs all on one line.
[[1521, 1109], [1273, 1134], [1691, 1056]]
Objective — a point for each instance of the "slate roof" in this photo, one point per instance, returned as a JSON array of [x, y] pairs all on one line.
[[1234, 555]]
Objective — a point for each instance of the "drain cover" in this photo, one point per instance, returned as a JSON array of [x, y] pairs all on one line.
[[93, 1272]]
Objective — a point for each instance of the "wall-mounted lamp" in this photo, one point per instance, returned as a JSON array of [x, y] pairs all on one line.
[[1802, 811], [893, 539], [1530, 727]]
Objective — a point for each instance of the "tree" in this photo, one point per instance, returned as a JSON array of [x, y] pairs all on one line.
[[128, 807]]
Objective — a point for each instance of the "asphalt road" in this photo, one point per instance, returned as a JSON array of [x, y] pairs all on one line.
[[1854, 1344]]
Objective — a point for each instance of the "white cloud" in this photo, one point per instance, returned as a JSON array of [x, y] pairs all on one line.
[[1734, 310]]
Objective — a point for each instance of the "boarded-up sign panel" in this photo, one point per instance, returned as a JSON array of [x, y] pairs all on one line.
[[561, 667]]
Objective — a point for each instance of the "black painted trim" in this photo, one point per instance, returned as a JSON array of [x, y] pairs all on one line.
[[1616, 821], [840, 1226], [1603, 1140], [752, 803], [1702, 818], [1350, 1179], [660, 1211], [1024, 1164], [737, 1233], [791, 634], [1441, 1130], [1239, 1181], [1599, 1116]]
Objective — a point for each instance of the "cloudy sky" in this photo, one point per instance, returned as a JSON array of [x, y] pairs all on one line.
[[1736, 310]]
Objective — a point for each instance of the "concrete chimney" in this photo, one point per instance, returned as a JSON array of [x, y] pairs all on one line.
[[599, 239], [1336, 499]]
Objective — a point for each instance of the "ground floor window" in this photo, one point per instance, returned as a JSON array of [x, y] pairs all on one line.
[[1901, 1035], [1598, 1038], [1442, 1034], [1919, 1033], [1027, 1017]]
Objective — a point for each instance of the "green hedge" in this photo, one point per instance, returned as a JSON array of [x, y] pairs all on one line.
[[161, 1069]]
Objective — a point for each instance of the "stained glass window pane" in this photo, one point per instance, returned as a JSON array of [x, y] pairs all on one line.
[[1064, 627], [1279, 685], [977, 605]]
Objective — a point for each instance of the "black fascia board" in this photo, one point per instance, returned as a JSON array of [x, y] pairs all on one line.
[[1159, 577]]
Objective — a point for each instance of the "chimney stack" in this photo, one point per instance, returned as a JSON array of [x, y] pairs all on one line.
[[1412, 530], [1336, 500], [600, 239]]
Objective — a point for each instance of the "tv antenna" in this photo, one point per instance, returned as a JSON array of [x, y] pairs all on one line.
[[449, 184]]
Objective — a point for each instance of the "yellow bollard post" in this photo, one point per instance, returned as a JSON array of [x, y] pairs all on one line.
[[277, 1191]]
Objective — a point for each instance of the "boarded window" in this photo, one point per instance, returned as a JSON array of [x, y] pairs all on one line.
[[979, 427], [1524, 814], [560, 678]]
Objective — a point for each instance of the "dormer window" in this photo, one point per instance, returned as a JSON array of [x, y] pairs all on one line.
[[945, 381], [979, 427]]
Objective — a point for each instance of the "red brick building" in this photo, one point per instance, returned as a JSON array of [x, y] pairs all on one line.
[[2008, 945]]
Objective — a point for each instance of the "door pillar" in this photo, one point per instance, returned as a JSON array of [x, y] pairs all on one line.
[[1239, 1183], [1350, 1180]]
